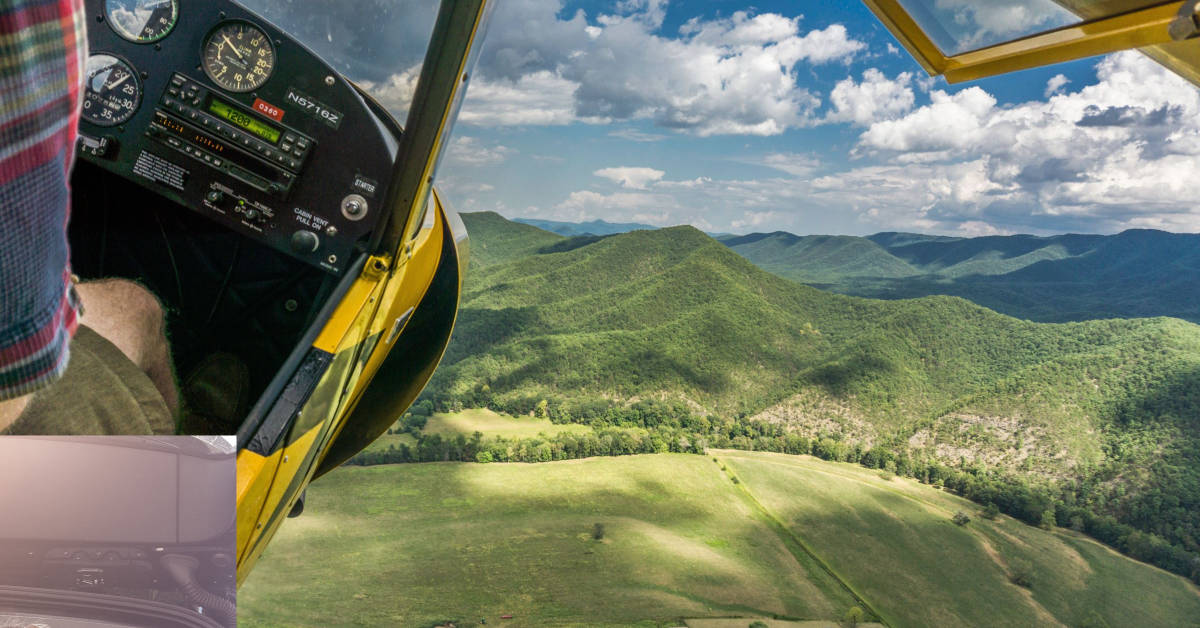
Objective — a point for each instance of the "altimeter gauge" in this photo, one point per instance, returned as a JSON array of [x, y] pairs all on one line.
[[142, 21], [238, 56], [112, 93]]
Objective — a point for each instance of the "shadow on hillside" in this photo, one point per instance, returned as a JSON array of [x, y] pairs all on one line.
[[570, 244], [477, 330], [1173, 401], [841, 377], [625, 373]]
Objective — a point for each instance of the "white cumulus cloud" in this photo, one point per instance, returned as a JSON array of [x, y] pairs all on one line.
[[1109, 156], [875, 98], [949, 121], [635, 178], [728, 75], [1055, 85], [470, 151]]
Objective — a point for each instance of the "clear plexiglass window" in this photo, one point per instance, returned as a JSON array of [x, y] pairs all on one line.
[[958, 26], [378, 44]]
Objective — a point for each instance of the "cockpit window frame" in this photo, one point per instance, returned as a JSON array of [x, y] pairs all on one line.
[[1135, 29]]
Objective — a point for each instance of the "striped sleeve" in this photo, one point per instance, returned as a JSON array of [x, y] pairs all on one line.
[[42, 51]]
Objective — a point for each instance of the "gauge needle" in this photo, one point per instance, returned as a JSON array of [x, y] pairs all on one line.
[[235, 50], [119, 81]]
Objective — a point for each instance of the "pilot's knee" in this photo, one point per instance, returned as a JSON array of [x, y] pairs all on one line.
[[144, 308], [127, 314]]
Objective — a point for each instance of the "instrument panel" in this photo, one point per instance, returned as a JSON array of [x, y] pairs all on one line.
[[216, 109]]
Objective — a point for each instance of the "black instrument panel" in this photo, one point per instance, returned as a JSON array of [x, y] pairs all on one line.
[[214, 108]]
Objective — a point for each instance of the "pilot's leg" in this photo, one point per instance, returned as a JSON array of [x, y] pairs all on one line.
[[131, 317], [119, 378]]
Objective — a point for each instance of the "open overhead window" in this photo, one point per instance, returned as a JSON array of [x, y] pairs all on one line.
[[970, 39]]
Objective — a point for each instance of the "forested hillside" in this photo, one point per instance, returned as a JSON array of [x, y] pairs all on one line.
[[673, 332], [1070, 277]]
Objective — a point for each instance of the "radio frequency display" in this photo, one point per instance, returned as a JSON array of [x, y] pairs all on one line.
[[244, 121]]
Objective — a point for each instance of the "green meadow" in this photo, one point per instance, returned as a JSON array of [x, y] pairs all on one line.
[[467, 422], [494, 424], [894, 540], [669, 539]]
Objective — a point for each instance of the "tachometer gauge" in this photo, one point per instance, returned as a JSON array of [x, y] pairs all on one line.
[[239, 57], [112, 93], [142, 21]]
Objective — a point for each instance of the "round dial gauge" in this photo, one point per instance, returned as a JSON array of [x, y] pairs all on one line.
[[112, 93], [239, 57], [142, 21]]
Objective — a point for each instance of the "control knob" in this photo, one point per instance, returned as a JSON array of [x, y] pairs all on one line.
[[305, 241]]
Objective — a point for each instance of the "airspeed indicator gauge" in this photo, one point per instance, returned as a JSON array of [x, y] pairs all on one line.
[[112, 93], [238, 57]]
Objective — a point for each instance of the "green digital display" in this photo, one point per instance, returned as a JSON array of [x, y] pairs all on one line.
[[244, 121]]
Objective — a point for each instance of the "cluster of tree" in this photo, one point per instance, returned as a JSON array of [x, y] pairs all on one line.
[[609, 441]]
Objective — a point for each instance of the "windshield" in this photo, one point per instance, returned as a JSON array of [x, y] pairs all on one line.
[[378, 44]]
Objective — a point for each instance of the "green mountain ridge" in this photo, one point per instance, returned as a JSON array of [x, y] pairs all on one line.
[[819, 258], [1071, 277], [672, 322], [591, 228]]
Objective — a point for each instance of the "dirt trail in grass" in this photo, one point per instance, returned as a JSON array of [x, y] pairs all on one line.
[[799, 549], [1047, 618]]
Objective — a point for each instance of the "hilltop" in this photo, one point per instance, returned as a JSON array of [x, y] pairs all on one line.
[[1071, 277], [496, 239], [670, 329]]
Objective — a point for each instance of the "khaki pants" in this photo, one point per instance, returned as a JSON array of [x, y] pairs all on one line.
[[102, 392]]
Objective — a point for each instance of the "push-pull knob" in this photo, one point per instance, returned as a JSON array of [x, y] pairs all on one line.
[[305, 241]]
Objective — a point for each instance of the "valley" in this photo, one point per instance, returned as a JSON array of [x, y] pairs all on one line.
[[715, 444], [672, 333]]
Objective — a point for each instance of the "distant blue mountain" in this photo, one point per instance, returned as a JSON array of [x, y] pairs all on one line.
[[593, 228], [1136, 273]]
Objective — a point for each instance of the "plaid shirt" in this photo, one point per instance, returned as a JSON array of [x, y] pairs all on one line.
[[42, 52]]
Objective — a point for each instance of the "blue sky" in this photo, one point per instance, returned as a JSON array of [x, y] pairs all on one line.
[[805, 117]]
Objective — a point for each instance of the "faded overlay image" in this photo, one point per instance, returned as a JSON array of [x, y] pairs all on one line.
[[117, 531]]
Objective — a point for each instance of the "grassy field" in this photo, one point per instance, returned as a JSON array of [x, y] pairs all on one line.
[[493, 424], [894, 541], [490, 424], [412, 545], [392, 440]]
